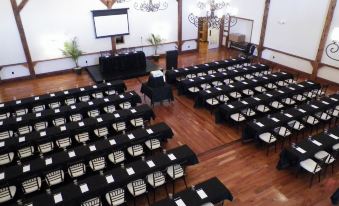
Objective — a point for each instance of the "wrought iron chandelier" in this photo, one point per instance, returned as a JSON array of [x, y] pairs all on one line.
[[213, 20], [332, 50], [150, 6], [122, 1]]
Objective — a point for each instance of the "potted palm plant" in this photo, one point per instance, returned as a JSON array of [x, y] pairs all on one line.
[[155, 40], [72, 50]]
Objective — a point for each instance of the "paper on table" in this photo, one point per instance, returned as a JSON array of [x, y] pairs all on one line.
[[42, 134], [288, 115], [195, 67], [324, 102], [171, 156], [244, 102], [334, 99], [316, 142], [202, 77], [270, 95], [300, 85], [235, 70], [208, 91], [256, 98], [57, 198], [291, 88], [191, 80], [84, 188], [133, 110], [81, 124], [109, 179], [281, 92], [18, 102], [18, 119], [73, 107], [179, 202], [57, 110], [52, 95], [106, 100], [95, 86], [314, 106], [92, 148], [22, 139], [301, 150], [202, 193], [333, 136], [26, 168], [254, 67], [38, 114], [116, 115], [301, 110], [260, 124], [99, 119], [275, 119], [130, 171], [2, 175], [65, 92], [130, 136], [112, 142], [219, 89], [149, 131], [230, 106], [244, 82], [109, 83], [71, 154], [63, 128], [90, 103], [36, 98], [231, 86], [310, 82], [2, 105], [121, 96], [150, 163], [2, 144], [48, 161]]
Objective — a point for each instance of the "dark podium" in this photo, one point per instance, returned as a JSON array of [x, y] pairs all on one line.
[[172, 59], [156, 89]]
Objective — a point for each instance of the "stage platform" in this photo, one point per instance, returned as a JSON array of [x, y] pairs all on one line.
[[97, 75]]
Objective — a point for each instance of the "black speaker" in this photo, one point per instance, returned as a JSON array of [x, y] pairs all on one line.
[[172, 59]]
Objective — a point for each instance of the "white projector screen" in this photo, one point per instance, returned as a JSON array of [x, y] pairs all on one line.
[[112, 22]]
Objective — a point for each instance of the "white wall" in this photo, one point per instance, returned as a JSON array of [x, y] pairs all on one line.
[[295, 26]]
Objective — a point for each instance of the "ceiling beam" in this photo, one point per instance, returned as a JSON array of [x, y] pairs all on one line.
[[22, 5], [23, 39], [263, 28], [324, 37], [179, 25]]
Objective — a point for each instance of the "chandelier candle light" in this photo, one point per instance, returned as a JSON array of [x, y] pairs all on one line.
[[151, 5], [212, 12]]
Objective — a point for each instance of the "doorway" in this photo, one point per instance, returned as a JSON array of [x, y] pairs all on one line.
[[208, 37]]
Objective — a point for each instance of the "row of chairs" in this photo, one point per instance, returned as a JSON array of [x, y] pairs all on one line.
[[78, 170], [56, 104], [24, 130], [65, 142], [298, 126]]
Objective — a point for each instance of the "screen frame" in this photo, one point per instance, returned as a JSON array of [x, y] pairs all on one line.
[[109, 12]]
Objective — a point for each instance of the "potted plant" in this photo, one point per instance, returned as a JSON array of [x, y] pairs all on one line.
[[155, 40], [71, 49]]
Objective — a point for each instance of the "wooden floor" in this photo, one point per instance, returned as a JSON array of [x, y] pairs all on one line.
[[244, 169]]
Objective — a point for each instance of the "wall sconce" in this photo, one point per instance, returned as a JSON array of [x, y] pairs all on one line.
[[332, 50]]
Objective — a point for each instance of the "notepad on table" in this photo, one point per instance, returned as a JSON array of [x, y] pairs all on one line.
[[130, 136], [316, 142], [109, 179], [48, 161], [180, 202], [260, 124], [133, 110], [171, 157], [130, 171], [201, 193], [84, 188], [57, 198], [149, 131], [112, 142], [150, 163], [314, 106], [116, 115], [275, 119], [288, 115], [333, 136], [301, 150]]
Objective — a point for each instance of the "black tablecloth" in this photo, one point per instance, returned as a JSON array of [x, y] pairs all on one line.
[[98, 185], [291, 156], [14, 175], [224, 111], [213, 188], [171, 75], [123, 62], [335, 197], [29, 102], [239, 86], [157, 94], [252, 129], [72, 128], [155, 82], [185, 84], [13, 123]]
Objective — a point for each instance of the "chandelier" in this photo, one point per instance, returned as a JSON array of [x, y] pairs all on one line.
[[122, 1], [332, 50], [213, 14], [150, 6]]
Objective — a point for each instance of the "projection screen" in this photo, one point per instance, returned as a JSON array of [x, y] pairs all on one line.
[[113, 22]]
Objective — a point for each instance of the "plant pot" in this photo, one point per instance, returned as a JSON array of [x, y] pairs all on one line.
[[156, 58], [78, 70]]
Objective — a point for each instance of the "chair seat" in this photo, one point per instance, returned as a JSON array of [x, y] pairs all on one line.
[[117, 157], [175, 171], [85, 98], [239, 78], [282, 131], [212, 101], [110, 92], [119, 126], [312, 120], [77, 170], [299, 97], [138, 122], [323, 154], [277, 105], [109, 109], [217, 83], [205, 86], [267, 137], [116, 197], [248, 112], [194, 89], [262, 108], [223, 98], [156, 179], [70, 101], [310, 166], [288, 101], [98, 163], [260, 89], [64, 142], [135, 150], [248, 92], [324, 116], [238, 117], [271, 86], [153, 144], [125, 105], [6, 158], [282, 83], [228, 81], [7, 193], [335, 147], [296, 125], [235, 95], [137, 190], [31, 185]]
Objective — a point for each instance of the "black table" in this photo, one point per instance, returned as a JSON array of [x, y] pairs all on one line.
[[213, 188], [99, 185], [13, 123], [122, 63], [238, 86], [72, 128], [290, 157], [253, 129], [171, 75], [157, 94], [14, 175], [185, 84], [45, 99], [224, 111]]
